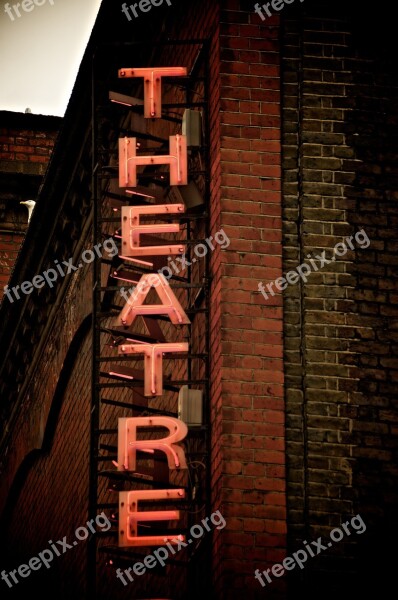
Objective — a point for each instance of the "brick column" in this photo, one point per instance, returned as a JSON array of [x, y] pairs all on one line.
[[248, 405]]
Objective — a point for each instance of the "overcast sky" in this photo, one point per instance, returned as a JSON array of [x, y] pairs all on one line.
[[40, 53]]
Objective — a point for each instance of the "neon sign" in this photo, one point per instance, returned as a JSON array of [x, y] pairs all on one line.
[[128, 444], [177, 159]]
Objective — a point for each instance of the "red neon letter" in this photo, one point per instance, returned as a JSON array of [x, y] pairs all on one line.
[[153, 86], [153, 365], [128, 443], [129, 517], [135, 304], [177, 159], [132, 229]]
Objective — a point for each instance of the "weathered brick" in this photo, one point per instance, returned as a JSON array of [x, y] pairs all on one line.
[[340, 162]]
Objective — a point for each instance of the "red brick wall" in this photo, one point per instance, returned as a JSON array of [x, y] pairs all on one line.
[[31, 423], [26, 145], [53, 499], [66, 471], [24, 155], [246, 336], [250, 400], [215, 307]]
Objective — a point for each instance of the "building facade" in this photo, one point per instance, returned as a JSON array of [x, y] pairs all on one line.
[[288, 314]]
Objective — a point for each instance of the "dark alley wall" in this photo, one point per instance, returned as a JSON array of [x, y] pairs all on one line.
[[340, 134]]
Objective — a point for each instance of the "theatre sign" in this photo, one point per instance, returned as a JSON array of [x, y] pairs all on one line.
[[129, 501]]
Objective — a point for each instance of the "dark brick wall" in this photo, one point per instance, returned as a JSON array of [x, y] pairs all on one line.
[[50, 491], [10, 243], [340, 149], [26, 144]]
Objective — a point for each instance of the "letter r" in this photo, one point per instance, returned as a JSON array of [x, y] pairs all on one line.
[[128, 443]]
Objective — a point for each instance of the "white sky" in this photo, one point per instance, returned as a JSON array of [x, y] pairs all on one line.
[[40, 53]]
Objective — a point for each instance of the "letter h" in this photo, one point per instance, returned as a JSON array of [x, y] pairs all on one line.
[[177, 159]]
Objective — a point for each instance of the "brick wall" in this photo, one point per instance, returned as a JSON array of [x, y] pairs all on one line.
[[247, 375], [10, 244], [215, 309], [340, 100], [51, 488], [65, 470], [339, 174], [251, 414], [198, 21], [26, 143]]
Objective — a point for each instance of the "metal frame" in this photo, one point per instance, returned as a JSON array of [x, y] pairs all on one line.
[[103, 305]]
